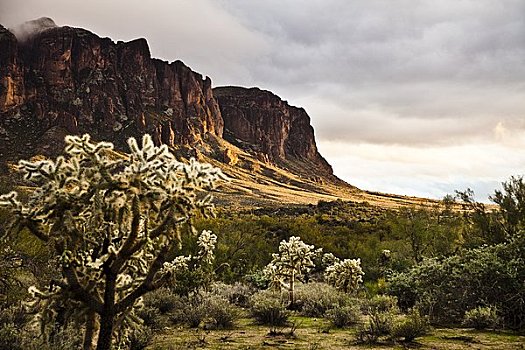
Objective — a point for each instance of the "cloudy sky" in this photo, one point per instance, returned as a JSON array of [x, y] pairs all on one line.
[[417, 97]]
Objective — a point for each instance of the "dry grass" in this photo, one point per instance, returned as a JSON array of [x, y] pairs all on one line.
[[255, 183], [309, 333], [269, 185]]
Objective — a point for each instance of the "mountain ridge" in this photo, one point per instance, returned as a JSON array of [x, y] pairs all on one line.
[[66, 80], [69, 80]]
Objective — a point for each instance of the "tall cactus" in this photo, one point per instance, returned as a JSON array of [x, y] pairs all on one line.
[[114, 222], [294, 259]]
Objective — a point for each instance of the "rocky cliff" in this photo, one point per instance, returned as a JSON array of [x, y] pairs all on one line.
[[262, 122], [62, 80], [69, 80]]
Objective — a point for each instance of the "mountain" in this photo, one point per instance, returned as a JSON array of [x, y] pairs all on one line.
[[56, 81], [65, 80], [276, 132]]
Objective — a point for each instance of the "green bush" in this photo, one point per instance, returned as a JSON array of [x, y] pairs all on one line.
[[194, 313], [486, 275], [381, 311], [219, 312], [377, 325], [152, 317], [382, 322], [482, 317], [164, 307], [12, 320], [14, 314], [140, 338], [381, 304], [163, 300], [257, 279], [61, 338], [269, 308], [67, 338], [366, 333], [315, 299], [411, 326], [237, 294], [344, 316], [10, 337]]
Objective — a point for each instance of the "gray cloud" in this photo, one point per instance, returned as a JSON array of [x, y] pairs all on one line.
[[407, 64]]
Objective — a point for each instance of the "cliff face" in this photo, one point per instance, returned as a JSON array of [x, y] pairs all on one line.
[[69, 80], [56, 81], [275, 131], [11, 73]]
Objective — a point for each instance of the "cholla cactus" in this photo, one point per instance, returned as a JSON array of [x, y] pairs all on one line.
[[345, 275], [113, 222], [329, 259], [206, 242], [293, 260]]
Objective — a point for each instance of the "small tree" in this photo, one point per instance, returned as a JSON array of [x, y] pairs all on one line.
[[293, 261], [511, 202], [115, 223], [482, 224], [345, 275]]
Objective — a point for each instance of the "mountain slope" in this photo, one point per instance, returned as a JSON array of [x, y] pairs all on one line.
[[56, 81], [276, 132]]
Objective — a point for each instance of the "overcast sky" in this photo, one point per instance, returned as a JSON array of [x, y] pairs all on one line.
[[417, 97]]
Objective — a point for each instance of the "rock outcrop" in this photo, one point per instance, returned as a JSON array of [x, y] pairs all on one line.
[[56, 81], [69, 80], [11, 72], [260, 121]]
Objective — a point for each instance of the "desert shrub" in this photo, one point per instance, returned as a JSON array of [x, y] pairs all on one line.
[[344, 316], [366, 333], [164, 307], [485, 275], [151, 313], [10, 337], [60, 338], [12, 320], [315, 299], [381, 304], [140, 338], [179, 314], [188, 281], [411, 326], [237, 294], [382, 322], [405, 287], [257, 279], [381, 311], [194, 313], [163, 300], [219, 312], [152, 318], [269, 308], [377, 325], [14, 314], [481, 317], [376, 287]]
